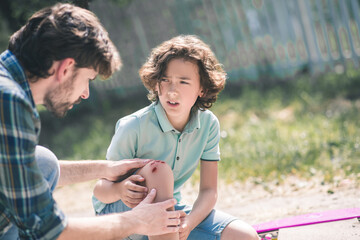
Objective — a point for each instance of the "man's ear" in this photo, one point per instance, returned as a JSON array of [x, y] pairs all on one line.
[[65, 68]]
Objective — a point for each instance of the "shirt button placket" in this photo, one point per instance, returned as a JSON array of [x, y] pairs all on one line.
[[178, 148], [178, 158]]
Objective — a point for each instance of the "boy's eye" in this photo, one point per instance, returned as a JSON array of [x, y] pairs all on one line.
[[184, 82], [163, 80]]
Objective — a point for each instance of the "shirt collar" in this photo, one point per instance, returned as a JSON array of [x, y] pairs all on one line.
[[12, 65], [194, 122]]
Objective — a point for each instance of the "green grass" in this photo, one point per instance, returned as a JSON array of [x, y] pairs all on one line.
[[300, 127]]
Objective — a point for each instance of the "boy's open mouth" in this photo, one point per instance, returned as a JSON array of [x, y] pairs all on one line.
[[172, 103]]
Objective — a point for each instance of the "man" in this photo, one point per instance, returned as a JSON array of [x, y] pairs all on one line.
[[50, 61]]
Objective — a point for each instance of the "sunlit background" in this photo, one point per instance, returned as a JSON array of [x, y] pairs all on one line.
[[253, 39], [291, 104]]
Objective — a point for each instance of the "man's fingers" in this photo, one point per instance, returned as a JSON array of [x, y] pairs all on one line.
[[150, 197], [171, 229], [173, 222], [137, 163], [175, 215], [168, 203]]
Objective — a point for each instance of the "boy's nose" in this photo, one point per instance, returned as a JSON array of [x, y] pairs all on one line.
[[172, 89], [172, 94]]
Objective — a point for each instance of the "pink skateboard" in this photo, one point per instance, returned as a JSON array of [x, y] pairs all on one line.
[[269, 230]]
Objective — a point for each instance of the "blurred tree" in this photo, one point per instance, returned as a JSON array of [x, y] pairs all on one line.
[[16, 12], [122, 3], [82, 3]]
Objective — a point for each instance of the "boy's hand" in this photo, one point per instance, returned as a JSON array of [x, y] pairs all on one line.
[[131, 193], [117, 171], [185, 228]]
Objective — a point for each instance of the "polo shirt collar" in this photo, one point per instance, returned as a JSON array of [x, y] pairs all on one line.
[[165, 124], [194, 122], [12, 65]]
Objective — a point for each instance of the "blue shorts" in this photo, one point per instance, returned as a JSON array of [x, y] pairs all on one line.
[[210, 228]]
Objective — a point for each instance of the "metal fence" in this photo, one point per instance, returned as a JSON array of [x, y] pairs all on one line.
[[253, 39]]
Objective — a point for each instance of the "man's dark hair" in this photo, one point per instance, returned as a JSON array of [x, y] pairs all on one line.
[[64, 31]]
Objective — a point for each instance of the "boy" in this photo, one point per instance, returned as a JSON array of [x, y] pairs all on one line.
[[183, 78]]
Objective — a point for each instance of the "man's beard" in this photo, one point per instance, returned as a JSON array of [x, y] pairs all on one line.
[[59, 109], [57, 102]]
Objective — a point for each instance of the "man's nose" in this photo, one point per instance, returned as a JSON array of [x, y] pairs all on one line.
[[86, 93]]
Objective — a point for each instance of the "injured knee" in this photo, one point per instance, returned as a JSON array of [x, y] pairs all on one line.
[[158, 175]]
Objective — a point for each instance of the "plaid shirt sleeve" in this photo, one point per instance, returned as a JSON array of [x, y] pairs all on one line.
[[25, 198]]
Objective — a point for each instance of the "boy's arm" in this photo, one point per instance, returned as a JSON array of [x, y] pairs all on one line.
[[80, 171], [128, 190], [207, 197], [107, 191], [145, 219]]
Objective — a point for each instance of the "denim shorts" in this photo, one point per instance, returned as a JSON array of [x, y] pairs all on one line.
[[210, 228]]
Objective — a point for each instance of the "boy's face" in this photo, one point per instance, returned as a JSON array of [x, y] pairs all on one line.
[[178, 91]]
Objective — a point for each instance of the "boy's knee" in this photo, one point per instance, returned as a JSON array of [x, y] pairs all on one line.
[[157, 170], [239, 230], [159, 175]]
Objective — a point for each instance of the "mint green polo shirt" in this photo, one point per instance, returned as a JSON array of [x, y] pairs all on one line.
[[148, 134]]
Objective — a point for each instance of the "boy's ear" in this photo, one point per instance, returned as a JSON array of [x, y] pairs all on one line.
[[202, 93], [65, 68]]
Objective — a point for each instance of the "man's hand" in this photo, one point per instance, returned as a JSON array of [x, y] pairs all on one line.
[[154, 219], [131, 193], [117, 171]]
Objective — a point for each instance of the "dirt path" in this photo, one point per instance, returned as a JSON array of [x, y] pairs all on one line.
[[253, 203]]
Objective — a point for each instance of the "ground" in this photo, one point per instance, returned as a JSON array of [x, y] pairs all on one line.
[[253, 203]]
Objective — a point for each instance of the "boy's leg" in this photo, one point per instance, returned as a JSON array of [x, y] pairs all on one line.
[[159, 175], [219, 225], [50, 168], [239, 230]]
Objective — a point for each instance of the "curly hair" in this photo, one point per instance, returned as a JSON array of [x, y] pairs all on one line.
[[64, 31], [190, 48]]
